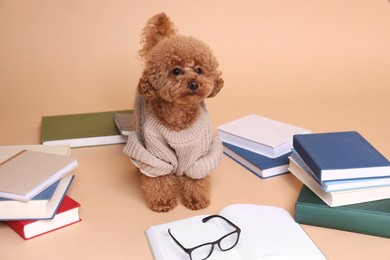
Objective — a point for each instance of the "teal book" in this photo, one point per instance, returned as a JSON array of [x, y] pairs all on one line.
[[371, 218], [81, 130]]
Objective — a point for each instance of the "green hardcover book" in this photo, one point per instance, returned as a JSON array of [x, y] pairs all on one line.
[[372, 218], [78, 130]]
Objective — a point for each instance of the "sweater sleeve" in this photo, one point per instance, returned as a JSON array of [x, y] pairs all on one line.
[[206, 164], [148, 163]]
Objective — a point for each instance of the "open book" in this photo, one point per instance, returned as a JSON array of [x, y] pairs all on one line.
[[266, 233]]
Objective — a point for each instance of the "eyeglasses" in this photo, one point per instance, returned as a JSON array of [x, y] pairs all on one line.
[[204, 251]]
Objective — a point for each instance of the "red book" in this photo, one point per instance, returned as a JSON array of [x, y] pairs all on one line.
[[67, 214]]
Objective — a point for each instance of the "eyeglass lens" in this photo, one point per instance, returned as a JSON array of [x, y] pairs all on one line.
[[202, 252], [228, 242]]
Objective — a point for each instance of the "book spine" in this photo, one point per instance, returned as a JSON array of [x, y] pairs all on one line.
[[370, 223], [18, 227], [243, 165], [307, 158]]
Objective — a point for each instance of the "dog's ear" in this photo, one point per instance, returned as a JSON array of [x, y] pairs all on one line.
[[218, 84], [156, 28], [145, 89]]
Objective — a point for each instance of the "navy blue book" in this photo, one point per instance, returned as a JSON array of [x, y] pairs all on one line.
[[260, 165], [340, 156]]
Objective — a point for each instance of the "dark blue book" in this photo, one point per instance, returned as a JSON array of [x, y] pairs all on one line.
[[340, 156], [260, 165]]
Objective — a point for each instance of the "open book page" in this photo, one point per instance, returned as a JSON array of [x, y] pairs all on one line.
[[270, 233], [189, 232], [266, 233]]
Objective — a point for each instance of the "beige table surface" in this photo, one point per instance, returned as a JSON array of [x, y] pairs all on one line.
[[322, 65]]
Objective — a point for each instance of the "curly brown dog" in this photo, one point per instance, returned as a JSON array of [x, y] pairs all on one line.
[[173, 144]]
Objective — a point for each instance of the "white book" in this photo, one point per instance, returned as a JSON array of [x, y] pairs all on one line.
[[42, 206], [266, 233], [338, 198], [261, 135], [67, 214]]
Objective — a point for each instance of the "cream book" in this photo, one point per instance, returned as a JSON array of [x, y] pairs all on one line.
[[339, 198], [261, 135], [7, 152], [27, 173], [266, 233]]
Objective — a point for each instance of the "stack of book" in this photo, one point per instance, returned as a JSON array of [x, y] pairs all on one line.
[[34, 181], [260, 144], [346, 182]]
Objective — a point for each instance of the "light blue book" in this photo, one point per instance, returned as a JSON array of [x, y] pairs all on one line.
[[341, 185]]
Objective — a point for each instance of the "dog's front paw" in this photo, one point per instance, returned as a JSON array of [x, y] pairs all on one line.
[[195, 193], [160, 192], [162, 204], [195, 202]]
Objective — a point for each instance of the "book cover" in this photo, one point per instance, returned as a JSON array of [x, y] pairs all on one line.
[[339, 198], [67, 214], [27, 173], [372, 218], [42, 206], [80, 130], [266, 231], [260, 165], [123, 122], [341, 185], [261, 135], [341, 155]]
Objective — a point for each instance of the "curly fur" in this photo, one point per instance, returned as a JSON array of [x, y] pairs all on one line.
[[179, 73]]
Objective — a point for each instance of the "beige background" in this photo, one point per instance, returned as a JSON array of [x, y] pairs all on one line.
[[321, 65]]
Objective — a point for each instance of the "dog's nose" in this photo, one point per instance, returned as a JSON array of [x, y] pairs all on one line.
[[193, 85]]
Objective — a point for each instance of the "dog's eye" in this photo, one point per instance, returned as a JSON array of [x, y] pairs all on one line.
[[198, 71], [176, 71]]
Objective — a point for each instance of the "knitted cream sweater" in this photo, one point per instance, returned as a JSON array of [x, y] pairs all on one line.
[[157, 150]]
